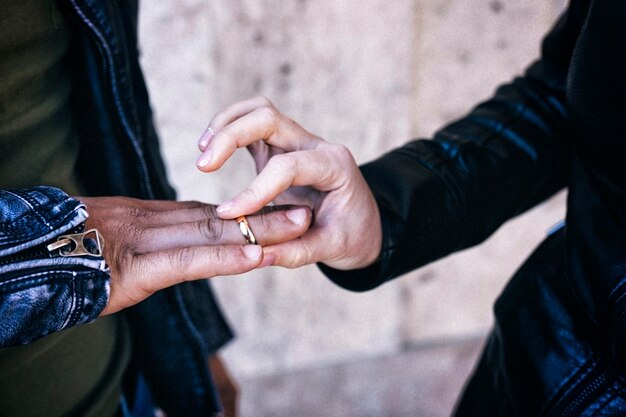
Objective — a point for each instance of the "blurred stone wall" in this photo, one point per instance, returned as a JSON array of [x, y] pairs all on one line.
[[370, 74]]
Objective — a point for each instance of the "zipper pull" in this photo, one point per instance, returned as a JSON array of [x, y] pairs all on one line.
[[89, 243]]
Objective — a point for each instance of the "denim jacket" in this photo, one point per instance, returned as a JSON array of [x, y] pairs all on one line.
[[42, 292]]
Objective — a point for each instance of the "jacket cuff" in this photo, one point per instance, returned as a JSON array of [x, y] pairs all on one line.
[[41, 292], [44, 301]]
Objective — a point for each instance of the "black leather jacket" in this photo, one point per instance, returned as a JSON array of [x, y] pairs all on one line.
[[557, 348], [174, 331]]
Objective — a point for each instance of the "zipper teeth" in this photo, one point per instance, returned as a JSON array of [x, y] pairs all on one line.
[[37, 252], [575, 401], [28, 255], [109, 69], [581, 398]]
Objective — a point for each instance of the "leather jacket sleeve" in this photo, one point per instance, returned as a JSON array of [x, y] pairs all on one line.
[[42, 292], [508, 154]]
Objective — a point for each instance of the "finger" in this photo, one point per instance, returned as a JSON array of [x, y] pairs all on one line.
[[168, 205], [169, 267], [305, 250], [230, 114], [159, 213], [140, 205], [315, 168], [324, 244], [262, 124], [177, 216], [261, 152], [272, 226]]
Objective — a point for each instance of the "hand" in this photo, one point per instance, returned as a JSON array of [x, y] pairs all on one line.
[[296, 166], [151, 245], [226, 386]]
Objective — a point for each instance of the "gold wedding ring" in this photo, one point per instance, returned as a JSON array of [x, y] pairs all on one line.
[[245, 230]]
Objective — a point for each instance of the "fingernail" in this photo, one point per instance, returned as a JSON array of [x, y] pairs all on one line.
[[252, 251], [205, 138], [268, 260], [205, 158], [297, 216], [224, 207]]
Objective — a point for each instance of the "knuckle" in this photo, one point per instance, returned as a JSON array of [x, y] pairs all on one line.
[[221, 115], [342, 160], [296, 262], [251, 194], [139, 214], [299, 257], [181, 258], [342, 152], [209, 211], [211, 229], [219, 255], [268, 114], [129, 236], [228, 134], [127, 249], [263, 223], [282, 163], [305, 255], [264, 101]]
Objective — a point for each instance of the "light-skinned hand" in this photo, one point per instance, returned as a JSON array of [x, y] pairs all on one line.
[[297, 167]]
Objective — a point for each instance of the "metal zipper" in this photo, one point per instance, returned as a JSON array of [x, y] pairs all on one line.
[[585, 391], [76, 243], [89, 243], [603, 373]]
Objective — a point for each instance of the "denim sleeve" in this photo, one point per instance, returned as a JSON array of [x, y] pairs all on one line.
[[42, 292]]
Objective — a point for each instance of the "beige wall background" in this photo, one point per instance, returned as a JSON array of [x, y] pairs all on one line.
[[370, 74]]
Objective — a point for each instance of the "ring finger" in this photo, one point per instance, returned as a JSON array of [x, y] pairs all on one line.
[[274, 225]]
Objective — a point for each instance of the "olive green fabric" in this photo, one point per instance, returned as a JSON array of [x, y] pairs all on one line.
[[36, 144], [76, 372]]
